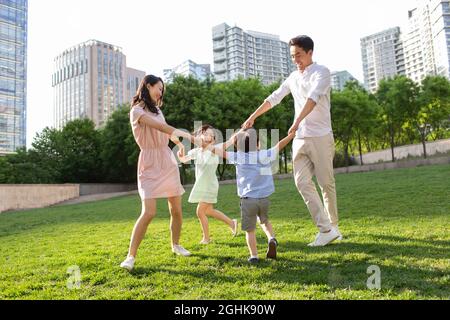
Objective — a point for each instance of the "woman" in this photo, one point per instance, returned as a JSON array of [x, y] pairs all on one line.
[[158, 174]]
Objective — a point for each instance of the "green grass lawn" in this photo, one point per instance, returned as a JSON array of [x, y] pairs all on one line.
[[398, 220]]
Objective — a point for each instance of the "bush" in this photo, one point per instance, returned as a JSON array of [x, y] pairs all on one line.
[[339, 160]]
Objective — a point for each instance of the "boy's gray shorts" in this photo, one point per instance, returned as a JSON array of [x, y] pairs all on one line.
[[251, 208]]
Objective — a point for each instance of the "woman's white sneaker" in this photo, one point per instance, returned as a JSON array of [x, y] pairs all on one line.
[[177, 249], [128, 263]]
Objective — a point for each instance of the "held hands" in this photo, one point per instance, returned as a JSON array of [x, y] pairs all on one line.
[[181, 151], [293, 128], [248, 123]]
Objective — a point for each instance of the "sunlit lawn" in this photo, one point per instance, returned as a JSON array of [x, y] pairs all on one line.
[[398, 220]]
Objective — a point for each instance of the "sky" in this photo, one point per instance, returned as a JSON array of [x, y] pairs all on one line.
[[157, 35]]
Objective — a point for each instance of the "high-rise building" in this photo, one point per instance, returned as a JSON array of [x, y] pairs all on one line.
[[440, 28], [186, 69], [248, 54], [418, 44], [382, 57], [340, 78], [134, 78], [91, 80], [13, 74]]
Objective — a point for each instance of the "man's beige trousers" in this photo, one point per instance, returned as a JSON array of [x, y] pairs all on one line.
[[314, 157]]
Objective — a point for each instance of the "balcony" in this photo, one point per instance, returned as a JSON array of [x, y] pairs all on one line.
[[218, 36], [219, 46], [220, 70], [220, 57]]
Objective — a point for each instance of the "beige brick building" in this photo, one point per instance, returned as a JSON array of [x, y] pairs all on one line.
[[91, 80]]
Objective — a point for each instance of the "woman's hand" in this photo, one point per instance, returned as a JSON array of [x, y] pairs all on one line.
[[181, 151]]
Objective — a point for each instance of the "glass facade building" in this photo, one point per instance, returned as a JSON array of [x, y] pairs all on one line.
[[13, 74]]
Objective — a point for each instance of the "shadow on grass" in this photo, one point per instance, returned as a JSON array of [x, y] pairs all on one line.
[[332, 272]]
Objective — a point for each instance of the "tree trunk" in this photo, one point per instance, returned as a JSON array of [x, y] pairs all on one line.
[[422, 135], [367, 143], [285, 161], [183, 174], [360, 148], [221, 171], [280, 165], [391, 133], [346, 154]]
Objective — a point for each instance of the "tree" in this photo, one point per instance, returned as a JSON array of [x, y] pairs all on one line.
[[365, 110], [343, 116], [80, 152], [433, 109], [119, 151], [397, 98], [228, 104], [46, 152], [22, 168]]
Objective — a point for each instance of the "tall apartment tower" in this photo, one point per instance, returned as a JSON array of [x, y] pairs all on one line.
[[440, 29], [13, 74], [186, 69], [340, 78], [382, 57], [248, 54], [134, 78], [418, 44], [91, 80]]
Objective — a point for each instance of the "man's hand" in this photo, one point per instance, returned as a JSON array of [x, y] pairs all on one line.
[[248, 123], [293, 128]]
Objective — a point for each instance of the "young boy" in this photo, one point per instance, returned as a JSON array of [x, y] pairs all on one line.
[[255, 185]]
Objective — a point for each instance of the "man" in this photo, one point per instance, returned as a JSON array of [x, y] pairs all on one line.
[[313, 146]]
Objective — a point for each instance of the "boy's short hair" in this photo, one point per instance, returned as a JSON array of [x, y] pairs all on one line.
[[247, 140]]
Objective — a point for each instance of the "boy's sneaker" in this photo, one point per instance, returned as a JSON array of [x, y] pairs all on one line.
[[235, 228], [272, 249], [322, 239], [179, 250], [128, 263], [253, 260]]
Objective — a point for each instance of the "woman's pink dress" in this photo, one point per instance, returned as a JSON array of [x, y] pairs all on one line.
[[158, 175]]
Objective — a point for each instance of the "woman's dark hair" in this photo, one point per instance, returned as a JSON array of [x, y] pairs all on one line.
[[143, 95], [304, 42], [202, 129]]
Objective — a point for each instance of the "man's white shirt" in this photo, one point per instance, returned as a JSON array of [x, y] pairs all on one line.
[[313, 83]]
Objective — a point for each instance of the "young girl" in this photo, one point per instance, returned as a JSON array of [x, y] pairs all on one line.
[[206, 185]]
